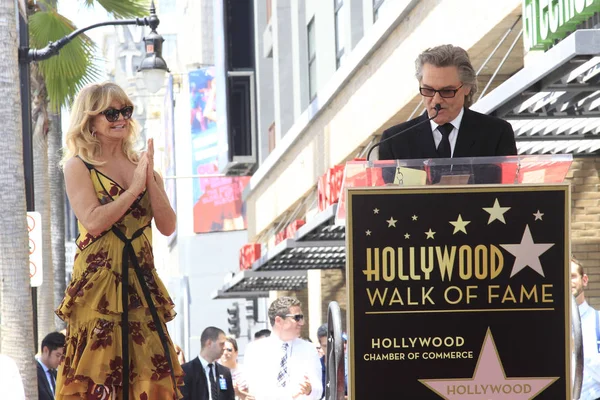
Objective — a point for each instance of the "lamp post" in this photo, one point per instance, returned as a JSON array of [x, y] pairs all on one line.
[[153, 68]]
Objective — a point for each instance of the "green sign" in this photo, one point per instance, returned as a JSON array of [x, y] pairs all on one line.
[[545, 21]]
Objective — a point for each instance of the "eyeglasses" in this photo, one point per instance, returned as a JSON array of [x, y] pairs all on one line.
[[296, 317], [444, 93], [112, 114]]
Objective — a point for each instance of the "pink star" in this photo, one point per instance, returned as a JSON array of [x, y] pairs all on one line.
[[489, 381]]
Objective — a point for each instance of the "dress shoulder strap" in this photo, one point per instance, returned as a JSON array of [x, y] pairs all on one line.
[[88, 165]]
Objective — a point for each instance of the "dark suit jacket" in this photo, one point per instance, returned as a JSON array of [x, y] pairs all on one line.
[[479, 135], [44, 389], [196, 381]]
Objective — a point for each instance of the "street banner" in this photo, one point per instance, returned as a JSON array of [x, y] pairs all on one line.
[[459, 292]]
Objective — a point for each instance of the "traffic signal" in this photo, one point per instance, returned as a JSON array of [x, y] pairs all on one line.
[[234, 320], [252, 310]]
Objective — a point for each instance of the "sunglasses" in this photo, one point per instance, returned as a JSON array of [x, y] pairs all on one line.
[[112, 114], [296, 317]]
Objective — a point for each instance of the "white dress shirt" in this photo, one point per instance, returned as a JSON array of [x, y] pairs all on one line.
[[262, 362], [590, 390], [437, 135], [10, 379], [207, 372]]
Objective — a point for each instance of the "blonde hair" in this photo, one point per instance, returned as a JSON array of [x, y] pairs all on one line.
[[91, 101]]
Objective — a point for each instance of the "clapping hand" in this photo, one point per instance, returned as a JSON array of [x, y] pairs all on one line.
[[305, 388]]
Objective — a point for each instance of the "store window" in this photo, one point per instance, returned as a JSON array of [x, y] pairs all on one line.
[[339, 33], [312, 60]]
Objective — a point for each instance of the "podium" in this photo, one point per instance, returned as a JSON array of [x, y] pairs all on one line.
[[458, 278]]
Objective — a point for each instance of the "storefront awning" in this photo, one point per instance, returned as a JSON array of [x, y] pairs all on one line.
[[318, 244], [250, 284], [322, 227], [553, 103]]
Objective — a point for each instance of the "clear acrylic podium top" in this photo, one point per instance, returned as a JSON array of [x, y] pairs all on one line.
[[452, 171]]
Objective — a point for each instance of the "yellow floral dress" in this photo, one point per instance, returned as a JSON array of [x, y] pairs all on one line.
[[93, 310]]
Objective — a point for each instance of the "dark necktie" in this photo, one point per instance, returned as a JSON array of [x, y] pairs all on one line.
[[443, 149], [214, 393], [52, 374]]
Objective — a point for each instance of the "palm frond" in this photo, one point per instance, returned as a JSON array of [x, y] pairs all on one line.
[[66, 73], [121, 9]]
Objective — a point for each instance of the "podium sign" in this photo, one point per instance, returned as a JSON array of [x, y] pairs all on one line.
[[459, 292]]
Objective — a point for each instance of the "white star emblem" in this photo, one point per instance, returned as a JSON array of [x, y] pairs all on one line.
[[496, 212], [391, 222], [407, 236], [538, 215], [460, 225], [430, 234], [527, 253], [376, 211], [414, 217]]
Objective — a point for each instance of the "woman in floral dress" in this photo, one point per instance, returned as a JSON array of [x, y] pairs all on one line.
[[115, 194]]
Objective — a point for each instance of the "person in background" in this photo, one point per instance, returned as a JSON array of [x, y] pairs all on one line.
[[115, 194], [10, 379], [263, 333], [204, 378], [322, 337], [53, 349], [590, 389], [230, 360], [283, 366]]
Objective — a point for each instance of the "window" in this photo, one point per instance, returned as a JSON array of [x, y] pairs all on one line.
[[339, 32], [377, 9], [312, 60]]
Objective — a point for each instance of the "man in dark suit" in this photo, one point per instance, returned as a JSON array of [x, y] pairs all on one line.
[[205, 379], [446, 77], [53, 348]]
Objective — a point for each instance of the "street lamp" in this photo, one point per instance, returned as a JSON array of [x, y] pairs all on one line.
[[153, 66], [153, 69]]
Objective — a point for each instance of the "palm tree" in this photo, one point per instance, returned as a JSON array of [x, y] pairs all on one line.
[[16, 326], [57, 212], [55, 82]]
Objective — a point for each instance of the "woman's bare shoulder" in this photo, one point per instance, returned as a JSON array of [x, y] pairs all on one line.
[[75, 166]]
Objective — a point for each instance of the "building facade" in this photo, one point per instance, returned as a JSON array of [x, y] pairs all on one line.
[[332, 75]]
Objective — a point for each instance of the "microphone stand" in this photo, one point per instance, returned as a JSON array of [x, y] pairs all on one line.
[[437, 108]]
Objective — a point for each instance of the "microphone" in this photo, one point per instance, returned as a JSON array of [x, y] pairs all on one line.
[[437, 109]]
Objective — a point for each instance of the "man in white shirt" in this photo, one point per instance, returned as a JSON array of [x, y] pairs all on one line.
[[205, 379], [283, 366], [590, 329]]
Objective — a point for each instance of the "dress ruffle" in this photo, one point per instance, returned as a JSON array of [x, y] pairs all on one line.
[[100, 291], [91, 358]]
